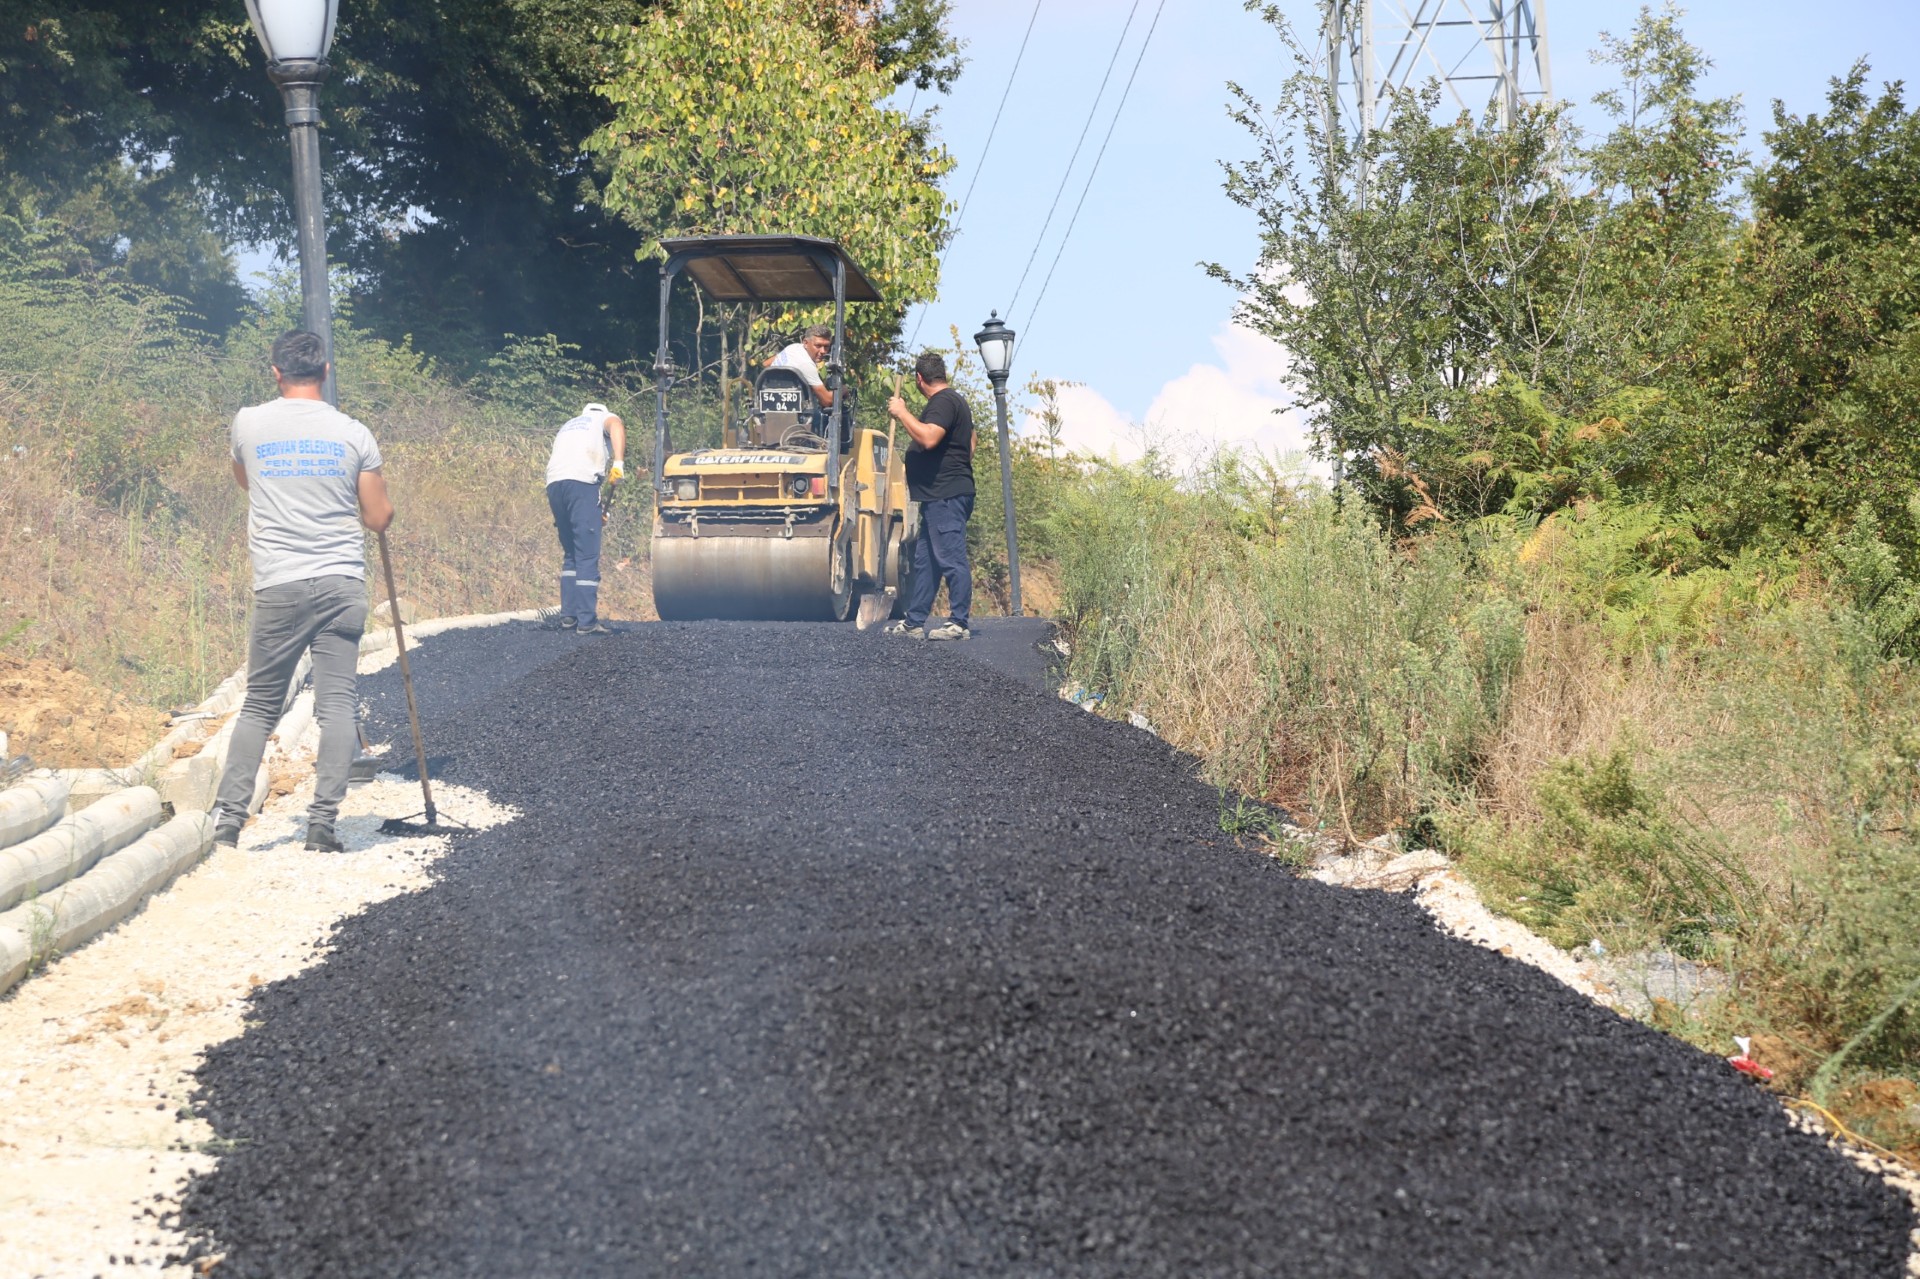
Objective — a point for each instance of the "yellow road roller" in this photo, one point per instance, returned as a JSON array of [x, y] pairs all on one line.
[[799, 515]]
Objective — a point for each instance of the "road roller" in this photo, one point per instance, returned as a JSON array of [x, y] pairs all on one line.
[[799, 514]]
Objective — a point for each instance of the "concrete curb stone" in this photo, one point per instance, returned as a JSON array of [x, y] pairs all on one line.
[[69, 849], [84, 908], [30, 808]]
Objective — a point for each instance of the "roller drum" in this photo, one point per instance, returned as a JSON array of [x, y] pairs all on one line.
[[772, 578]]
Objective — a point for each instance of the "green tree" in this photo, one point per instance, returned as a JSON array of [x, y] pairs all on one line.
[[80, 157], [1819, 362], [459, 196], [1407, 272], [1849, 178], [1669, 171], [1491, 316], [734, 118]]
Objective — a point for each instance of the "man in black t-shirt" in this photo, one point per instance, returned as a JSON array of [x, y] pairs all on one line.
[[940, 477]]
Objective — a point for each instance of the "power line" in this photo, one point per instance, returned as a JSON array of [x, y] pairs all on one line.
[[995, 127], [982, 163], [1066, 175], [1101, 154]]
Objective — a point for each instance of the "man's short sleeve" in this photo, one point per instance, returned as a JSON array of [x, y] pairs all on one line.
[[795, 357], [943, 410], [369, 450], [233, 438]]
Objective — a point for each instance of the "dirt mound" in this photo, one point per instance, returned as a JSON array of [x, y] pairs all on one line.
[[65, 720]]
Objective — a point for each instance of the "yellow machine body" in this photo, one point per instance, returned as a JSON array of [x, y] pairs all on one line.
[[760, 533]]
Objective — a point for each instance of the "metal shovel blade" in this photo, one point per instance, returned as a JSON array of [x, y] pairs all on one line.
[[427, 823], [874, 609]]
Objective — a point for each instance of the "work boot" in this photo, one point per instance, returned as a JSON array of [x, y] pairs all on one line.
[[321, 839], [226, 831], [595, 627], [901, 628], [949, 631]]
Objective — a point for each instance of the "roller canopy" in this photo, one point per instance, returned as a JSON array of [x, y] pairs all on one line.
[[768, 268]]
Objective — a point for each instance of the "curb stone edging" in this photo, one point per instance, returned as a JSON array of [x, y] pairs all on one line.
[[30, 807], [83, 908], [66, 851]]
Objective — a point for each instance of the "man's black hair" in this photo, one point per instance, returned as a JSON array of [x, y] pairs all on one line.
[[932, 367], [300, 356]]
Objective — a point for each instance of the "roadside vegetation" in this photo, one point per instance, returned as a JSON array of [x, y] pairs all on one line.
[[1619, 602]]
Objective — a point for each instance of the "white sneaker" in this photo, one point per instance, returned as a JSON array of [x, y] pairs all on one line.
[[950, 631]]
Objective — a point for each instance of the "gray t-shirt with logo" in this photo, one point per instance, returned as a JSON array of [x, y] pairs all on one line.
[[303, 460]]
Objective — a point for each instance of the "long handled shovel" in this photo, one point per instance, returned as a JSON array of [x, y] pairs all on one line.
[[432, 825], [876, 605]]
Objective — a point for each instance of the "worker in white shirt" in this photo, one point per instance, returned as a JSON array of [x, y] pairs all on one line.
[[804, 357], [589, 449]]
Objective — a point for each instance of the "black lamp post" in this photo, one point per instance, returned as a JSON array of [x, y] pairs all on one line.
[[995, 341], [296, 35]]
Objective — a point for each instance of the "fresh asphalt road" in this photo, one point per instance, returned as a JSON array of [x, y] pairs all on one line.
[[817, 953]]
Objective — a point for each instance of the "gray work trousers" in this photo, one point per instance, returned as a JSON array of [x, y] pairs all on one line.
[[326, 614]]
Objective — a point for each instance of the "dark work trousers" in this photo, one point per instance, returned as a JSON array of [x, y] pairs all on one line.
[[576, 516], [327, 615], [940, 551]]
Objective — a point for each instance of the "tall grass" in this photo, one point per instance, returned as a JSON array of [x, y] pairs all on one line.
[[1285, 642]]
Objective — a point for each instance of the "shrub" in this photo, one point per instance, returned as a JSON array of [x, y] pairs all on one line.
[[1610, 859]]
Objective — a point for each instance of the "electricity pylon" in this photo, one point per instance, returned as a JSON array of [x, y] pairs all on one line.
[[1483, 52]]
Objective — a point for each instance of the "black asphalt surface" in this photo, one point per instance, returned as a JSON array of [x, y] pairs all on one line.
[[818, 953]]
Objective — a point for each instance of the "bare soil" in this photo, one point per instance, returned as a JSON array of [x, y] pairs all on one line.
[[65, 720]]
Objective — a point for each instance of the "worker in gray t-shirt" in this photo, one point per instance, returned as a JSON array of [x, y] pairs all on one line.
[[312, 476]]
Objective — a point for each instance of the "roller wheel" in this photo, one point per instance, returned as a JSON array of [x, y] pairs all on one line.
[[840, 580]]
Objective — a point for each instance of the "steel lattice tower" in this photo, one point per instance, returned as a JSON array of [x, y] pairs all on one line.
[[1485, 53]]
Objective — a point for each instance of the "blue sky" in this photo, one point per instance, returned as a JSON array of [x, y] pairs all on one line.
[[1129, 313]]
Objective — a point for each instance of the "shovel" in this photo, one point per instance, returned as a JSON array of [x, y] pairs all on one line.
[[876, 606], [414, 824]]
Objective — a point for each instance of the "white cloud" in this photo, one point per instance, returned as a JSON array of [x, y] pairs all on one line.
[[1090, 424], [1241, 402]]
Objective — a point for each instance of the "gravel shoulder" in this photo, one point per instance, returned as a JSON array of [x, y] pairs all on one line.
[[773, 977], [97, 1054]]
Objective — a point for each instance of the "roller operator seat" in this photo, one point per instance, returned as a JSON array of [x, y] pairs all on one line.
[[783, 403]]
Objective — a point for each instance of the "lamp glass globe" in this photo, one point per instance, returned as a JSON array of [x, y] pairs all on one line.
[[294, 30]]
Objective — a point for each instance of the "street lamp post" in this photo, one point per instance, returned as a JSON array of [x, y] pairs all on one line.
[[995, 341], [297, 35]]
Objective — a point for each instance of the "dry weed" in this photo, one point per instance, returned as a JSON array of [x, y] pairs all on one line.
[[1574, 697]]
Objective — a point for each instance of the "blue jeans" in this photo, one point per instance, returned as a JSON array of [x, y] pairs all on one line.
[[576, 516], [940, 551]]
